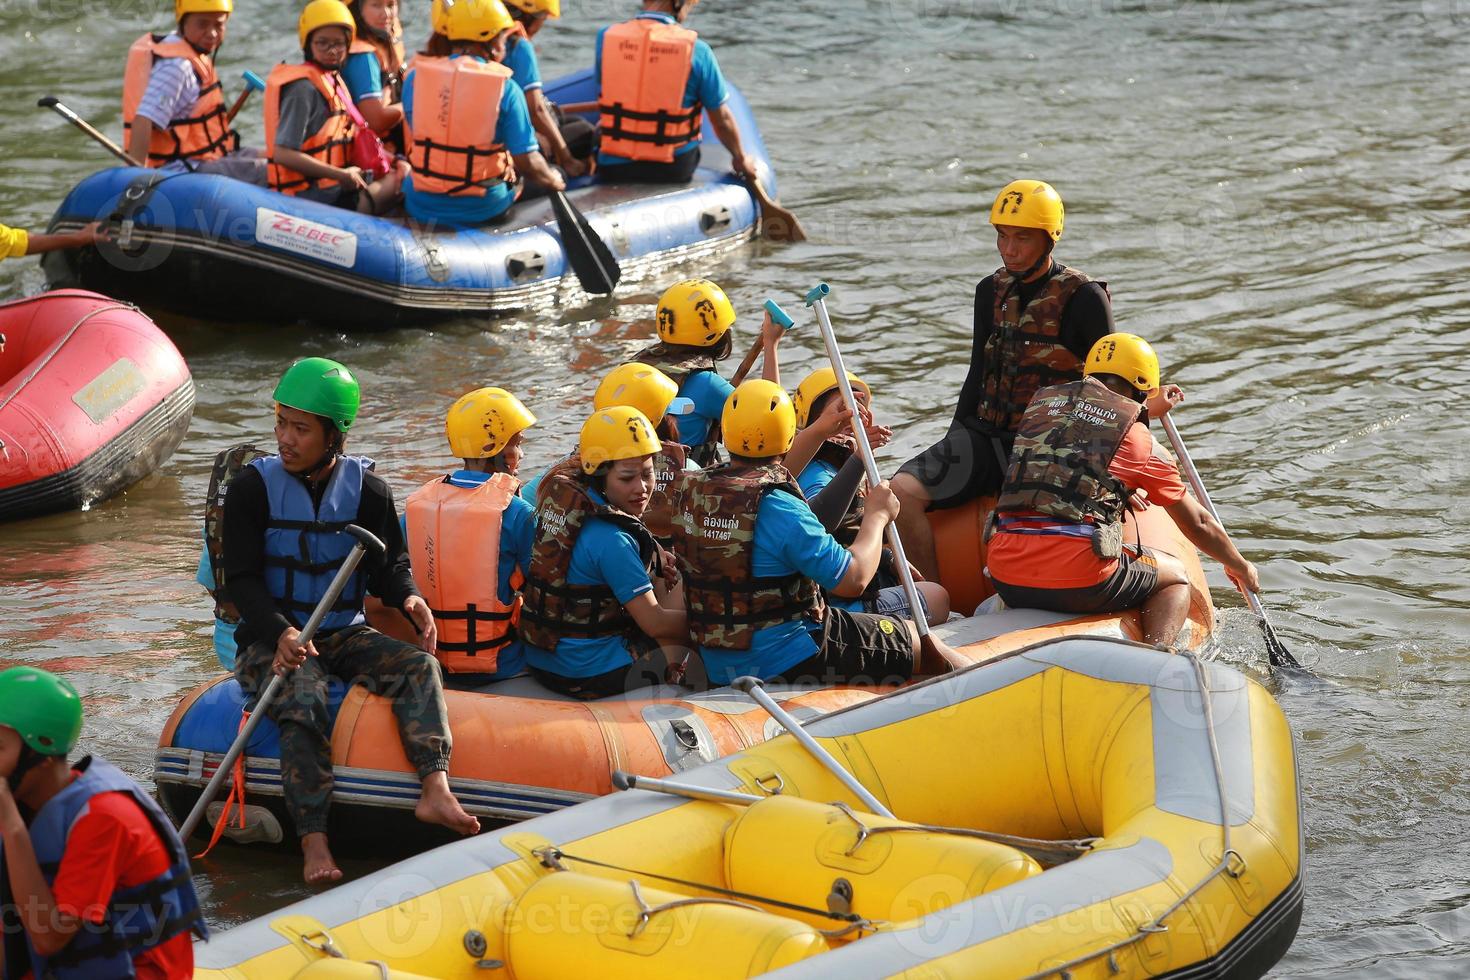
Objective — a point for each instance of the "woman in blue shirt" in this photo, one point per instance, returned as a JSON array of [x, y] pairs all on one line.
[[599, 598]]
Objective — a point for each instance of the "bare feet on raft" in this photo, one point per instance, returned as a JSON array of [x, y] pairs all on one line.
[[438, 805], [320, 868]]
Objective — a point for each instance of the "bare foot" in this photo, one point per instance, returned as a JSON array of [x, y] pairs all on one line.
[[320, 868], [438, 805]]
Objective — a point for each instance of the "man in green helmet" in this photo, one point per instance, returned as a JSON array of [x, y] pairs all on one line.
[[96, 882], [283, 543]]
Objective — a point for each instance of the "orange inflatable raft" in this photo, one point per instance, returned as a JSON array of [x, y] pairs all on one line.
[[521, 751]]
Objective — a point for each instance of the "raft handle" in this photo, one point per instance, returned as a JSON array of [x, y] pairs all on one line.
[[328, 945], [646, 912], [760, 783], [1233, 870]]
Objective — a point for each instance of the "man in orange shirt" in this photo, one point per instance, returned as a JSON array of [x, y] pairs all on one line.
[[1083, 455], [95, 880]]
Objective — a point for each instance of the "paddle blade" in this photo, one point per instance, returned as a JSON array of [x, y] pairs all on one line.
[[777, 223], [593, 263]]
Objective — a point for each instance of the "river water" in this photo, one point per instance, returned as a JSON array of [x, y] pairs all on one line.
[[1276, 192]]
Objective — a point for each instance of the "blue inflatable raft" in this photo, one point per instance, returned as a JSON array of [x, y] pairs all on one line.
[[217, 248]]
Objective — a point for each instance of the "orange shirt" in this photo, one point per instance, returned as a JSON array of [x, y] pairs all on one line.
[[1048, 561]]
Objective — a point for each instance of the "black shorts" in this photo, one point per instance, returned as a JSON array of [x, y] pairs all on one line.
[[680, 171], [857, 648], [1132, 582], [965, 464], [646, 670]]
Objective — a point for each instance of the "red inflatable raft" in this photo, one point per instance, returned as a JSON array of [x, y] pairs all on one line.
[[93, 397]]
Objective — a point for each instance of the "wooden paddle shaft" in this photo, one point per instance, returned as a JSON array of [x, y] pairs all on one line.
[[86, 127]]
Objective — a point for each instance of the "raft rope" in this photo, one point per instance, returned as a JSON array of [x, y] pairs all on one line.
[[1225, 865], [1050, 848], [551, 857], [56, 348]]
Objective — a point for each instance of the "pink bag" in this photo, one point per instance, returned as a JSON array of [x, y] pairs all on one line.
[[368, 151]]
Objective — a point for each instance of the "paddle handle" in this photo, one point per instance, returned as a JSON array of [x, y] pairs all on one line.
[[365, 541], [752, 687], [253, 83], [627, 780], [779, 317], [816, 298], [51, 102]]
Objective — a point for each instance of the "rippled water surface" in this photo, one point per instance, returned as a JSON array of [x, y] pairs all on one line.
[[1276, 192]]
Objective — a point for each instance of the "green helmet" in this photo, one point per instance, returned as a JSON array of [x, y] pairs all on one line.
[[43, 708], [322, 387]]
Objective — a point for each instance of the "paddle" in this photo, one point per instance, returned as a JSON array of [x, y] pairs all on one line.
[[1276, 651], [366, 541], [782, 320], [253, 83], [52, 102], [752, 686], [588, 255], [777, 223]]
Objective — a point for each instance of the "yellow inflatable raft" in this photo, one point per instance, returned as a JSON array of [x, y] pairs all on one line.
[[1086, 807]]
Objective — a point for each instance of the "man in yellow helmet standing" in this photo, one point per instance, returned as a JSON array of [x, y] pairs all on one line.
[[1035, 321], [1082, 451], [174, 111]]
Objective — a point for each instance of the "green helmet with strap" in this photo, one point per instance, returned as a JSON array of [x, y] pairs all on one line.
[[43, 708], [322, 387]]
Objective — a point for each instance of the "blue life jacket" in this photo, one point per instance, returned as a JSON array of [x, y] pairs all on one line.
[[138, 917], [304, 544]]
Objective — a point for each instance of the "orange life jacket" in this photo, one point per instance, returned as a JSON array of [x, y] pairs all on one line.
[[451, 144], [454, 548], [645, 69], [390, 55], [205, 133], [331, 144]]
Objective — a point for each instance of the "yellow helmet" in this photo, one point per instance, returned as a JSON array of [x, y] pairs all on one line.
[[1029, 204], [325, 13], [552, 8], [475, 20], [182, 7], [1126, 355], [758, 420], [437, 12], [695, 312], [611, 434], [817, 384], [643, 387], [481, 423]]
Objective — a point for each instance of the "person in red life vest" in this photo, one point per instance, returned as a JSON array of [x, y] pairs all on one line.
[[656, 80], [173, 106], [600, 597], [96, 882], [466, 534], [469, 133], [284, 541], [1083, 456], [308, 132], [569, 140], [17, 242], [374, 69], [1035, 321]]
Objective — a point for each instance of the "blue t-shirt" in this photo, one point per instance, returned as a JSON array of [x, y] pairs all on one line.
[[363, 76], [520, 57], [788, 538], [517, 529], [224, 633], [813, 480], [603, 555], [512, 130], [706, 86], [709, 392]]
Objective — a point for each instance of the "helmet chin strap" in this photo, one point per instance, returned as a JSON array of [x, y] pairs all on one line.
[[1040, 263], [328, 458], [29, 759]]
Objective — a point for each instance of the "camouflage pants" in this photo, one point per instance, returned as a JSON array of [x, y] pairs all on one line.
[[403, 673]]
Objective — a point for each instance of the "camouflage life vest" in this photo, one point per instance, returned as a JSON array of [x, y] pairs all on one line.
[[227, 465], [668, 463], [679, 362], [1024, 351], [714, 541], [552, 609], [1059, 466], [836, 455]]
